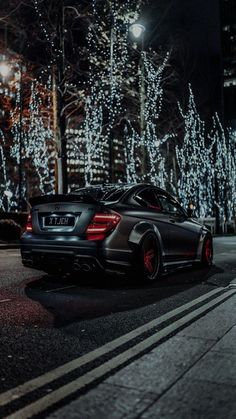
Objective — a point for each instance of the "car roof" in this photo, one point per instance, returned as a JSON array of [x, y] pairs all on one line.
[[106, 190], [102, 192]]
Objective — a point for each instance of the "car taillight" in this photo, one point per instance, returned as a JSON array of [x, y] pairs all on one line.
[[29, 223], [101, 225]]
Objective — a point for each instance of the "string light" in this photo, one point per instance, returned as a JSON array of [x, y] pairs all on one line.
[[195, 162], [223, 145], [207, 165], [205, 161], [29, 118], [109, 60]]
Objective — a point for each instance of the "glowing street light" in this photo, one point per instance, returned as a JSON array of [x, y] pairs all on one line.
[[5, 69], [137, 30]]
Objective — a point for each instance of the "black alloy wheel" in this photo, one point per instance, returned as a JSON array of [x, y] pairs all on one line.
[[150, 258], [207, 252]]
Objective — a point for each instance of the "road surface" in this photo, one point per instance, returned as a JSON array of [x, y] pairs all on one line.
[[55, 331]]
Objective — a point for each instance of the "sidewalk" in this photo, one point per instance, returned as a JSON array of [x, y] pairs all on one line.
[[191, 375], [9, 245]]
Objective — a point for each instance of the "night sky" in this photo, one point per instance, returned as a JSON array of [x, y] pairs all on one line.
[[192, 27]]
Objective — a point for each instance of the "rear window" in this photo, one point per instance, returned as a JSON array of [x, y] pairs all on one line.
[[103, 193]]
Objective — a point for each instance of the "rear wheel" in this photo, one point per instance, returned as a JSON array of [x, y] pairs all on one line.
[[207, 252], [150, 258]]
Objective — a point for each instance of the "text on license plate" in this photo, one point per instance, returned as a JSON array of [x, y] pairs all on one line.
[[53, 220]]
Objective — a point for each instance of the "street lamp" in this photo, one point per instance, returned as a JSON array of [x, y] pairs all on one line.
[[137, 30]]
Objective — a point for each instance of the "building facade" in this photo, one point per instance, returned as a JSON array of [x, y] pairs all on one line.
[[228, 13]]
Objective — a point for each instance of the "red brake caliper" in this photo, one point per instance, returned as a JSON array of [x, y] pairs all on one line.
[[208, 250], [148, 260]]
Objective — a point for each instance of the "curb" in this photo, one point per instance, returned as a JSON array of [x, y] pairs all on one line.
[[9, 246]]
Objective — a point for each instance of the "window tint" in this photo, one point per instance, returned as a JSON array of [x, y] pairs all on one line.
[[148, 198], [170, 206], [114, 195], [102, 193]]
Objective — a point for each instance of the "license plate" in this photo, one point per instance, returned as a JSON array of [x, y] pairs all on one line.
[[59, 221]]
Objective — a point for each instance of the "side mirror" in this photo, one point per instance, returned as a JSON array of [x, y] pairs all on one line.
[[191, 210]]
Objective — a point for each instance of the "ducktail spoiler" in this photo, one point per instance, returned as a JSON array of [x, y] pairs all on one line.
[[48, 199]]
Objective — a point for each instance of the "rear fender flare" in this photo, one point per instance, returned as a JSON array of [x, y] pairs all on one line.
[[140, 230], [203, 234]]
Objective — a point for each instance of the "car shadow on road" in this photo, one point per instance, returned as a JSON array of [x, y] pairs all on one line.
[[72, 299]]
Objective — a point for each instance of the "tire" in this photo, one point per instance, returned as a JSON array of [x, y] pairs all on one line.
[[151, 260], [207, 252]]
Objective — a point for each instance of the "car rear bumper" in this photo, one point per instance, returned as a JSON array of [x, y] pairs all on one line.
[[70, 254]]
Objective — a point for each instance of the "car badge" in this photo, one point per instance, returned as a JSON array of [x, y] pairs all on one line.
[[57, 207]]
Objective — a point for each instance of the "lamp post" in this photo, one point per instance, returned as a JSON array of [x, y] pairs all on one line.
[[59, 104], [59, 100], [20, 139], [111, 173], [137, 30]]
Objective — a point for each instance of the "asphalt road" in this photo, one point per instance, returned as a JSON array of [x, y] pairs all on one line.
[[47, 322]]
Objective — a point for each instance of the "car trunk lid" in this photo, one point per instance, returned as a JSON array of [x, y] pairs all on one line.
[[62, 214]]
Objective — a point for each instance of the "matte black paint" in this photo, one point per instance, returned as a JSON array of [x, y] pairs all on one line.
[[66, 248]]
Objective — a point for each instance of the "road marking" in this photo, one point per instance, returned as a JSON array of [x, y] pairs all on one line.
[[61, 393], [233, 283], [61, 288], [6, 300], [70, 366]]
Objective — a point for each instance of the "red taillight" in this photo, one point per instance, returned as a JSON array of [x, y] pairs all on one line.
[[29, 223], [101, 225]]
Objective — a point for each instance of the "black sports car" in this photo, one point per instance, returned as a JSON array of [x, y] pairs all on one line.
[[122, 228]]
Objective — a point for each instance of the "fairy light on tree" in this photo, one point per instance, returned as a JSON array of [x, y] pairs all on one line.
[[7, 187], [132, 160], [149, 141], [224, 169], [94, 153], [113, 88], [31, 138], [109, 68], [104, 97], [195, 163], [37, 139], [153, 107]]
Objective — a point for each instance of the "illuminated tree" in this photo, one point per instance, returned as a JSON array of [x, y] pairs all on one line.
[[223, 143], [113, 104], [7, 189], [195, 162], [111, 73], [26, 137]]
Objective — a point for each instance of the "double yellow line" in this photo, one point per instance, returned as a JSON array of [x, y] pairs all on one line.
[[207, 301]]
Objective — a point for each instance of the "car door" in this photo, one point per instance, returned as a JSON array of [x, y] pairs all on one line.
[[183, 234]]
